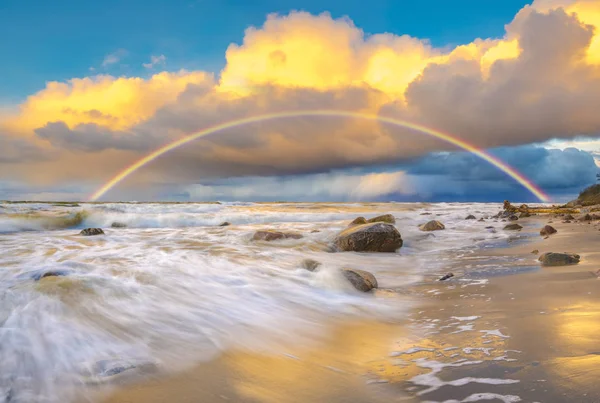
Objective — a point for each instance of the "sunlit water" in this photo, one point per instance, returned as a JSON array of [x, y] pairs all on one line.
[[173, 288]]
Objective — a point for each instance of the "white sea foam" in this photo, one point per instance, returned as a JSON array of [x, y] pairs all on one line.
[[174, 288]]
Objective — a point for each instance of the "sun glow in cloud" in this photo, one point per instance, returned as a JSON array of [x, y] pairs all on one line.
[[490, 92]]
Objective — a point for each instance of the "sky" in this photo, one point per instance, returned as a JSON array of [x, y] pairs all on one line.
[[88, 88]]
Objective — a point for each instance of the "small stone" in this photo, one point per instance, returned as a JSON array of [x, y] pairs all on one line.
[[558, 259], [118, 225], [387, 218], [513, 227], [91, 232], [225, 224], [358, 221], [310, 264], [360, 279], [548, 230], [513, 217], [535, 252], [446, 277], [470, 217], [314, 231], [432, 225], [269, 235], [50, 273]]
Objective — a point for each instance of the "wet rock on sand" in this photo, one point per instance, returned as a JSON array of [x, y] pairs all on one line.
[[360, 279], [91, 232], [310, 264], [548, 230], [446, 277], [470, 217], [269, 235], [118, 225], [513, 227], [224, 224], [50, 273], [374, 237], [387, 218], [432, 225], [558, 259]]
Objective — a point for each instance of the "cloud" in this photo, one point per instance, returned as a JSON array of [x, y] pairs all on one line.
[[540, 81], [341, 186], [115, 57], [155, 61]]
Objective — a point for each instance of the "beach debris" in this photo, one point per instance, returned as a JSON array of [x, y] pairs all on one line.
[[446, 276], [359, 221], [310, 264], [373, 237], [117, 224], [558, 259], [548, 230], [387, 218], [535, 251], [269, 235], [470, 217], [91, 231], [432, 225], [513, 227], [360, 279], [225, 224]]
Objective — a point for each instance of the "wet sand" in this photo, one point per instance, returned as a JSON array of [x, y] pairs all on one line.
[[531, 337]]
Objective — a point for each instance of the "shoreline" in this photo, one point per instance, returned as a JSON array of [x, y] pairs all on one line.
[[527, 336]]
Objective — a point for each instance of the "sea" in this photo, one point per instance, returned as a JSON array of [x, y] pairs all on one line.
[[167, 286]]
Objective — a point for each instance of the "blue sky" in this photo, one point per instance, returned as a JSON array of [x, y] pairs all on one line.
[[58, 40]]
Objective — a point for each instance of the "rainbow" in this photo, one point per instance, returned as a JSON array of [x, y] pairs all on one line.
[[327, 113]]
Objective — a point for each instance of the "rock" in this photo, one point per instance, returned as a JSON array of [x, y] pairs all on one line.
[[360, 279], [489, 227], [535, 252], [446, 277], [524, 214], [118, 225], [481, 219], [589, 196], [425, 214], [359, 221], [513, 227], [310, 264], [374, 237], [91, 232], [105, 371], [314, 231], [569, 217], [513, 217], [548, 230], [51, 273], [567, 221], [470, 217], [387, 218], [225, 224], [268, 235], [523, 207], [558, 259], [432, 225]]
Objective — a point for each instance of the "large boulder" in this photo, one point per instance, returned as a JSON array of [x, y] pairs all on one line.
[[558, 259], [360, 279], [359, 221], [513, 227], [432, 225], [373, 237], [548, 230], [388, 218], [91, 231], [269, 235]]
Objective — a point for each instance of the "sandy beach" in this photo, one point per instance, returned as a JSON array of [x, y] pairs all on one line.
[[524, 335]]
